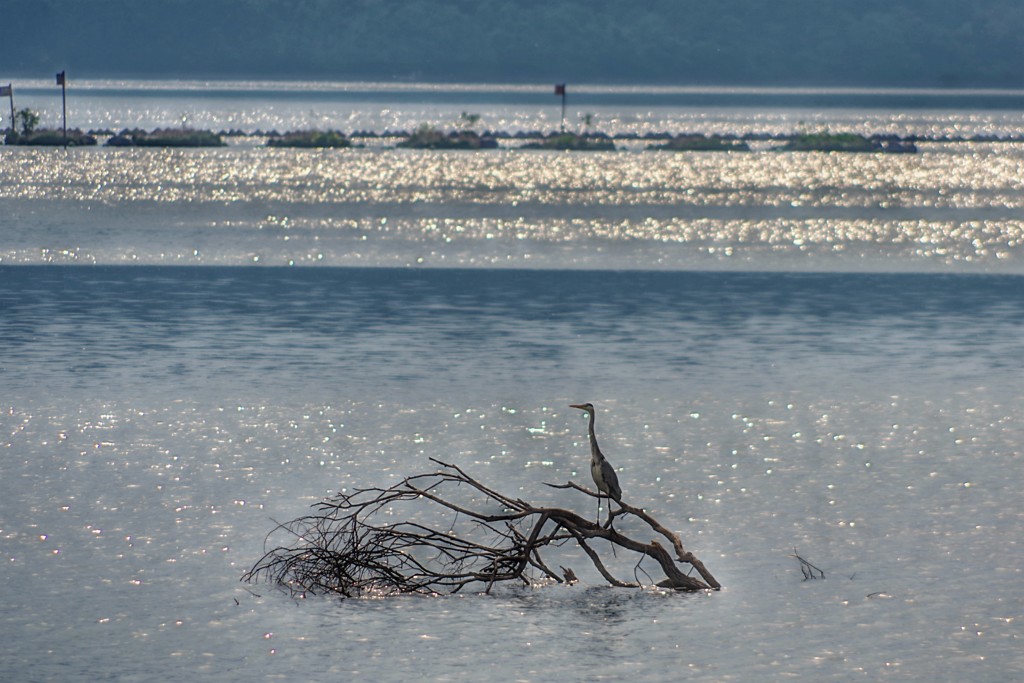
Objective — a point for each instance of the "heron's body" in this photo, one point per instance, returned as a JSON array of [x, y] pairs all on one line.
[[605, 478], [602, 471]]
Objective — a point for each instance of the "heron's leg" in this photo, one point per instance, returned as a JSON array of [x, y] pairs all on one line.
[[609, 526]]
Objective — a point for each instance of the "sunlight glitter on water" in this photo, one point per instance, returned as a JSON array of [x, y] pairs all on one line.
[[172, 547], [963, 176], [854, 418], [948, 205], [158, 422]]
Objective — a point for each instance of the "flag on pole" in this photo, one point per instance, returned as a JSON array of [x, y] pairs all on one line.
[[6, 91], [560, 90], [60, 78]]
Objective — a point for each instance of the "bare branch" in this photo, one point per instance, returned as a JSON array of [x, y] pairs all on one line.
[[809, 570], [446, 539], [596, 559]]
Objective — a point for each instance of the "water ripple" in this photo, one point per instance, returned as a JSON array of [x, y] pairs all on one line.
[[951, 205]]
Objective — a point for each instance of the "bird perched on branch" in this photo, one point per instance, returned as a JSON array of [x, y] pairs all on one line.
[[604, 476]]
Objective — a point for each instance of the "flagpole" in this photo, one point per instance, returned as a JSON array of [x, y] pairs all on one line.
[[563, 109], [62, 82], [560, 90], [10, 93]]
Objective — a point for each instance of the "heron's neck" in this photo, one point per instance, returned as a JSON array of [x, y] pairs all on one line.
[[595, 452]]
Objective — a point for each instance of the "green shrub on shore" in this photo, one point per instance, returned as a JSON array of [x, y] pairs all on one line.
[[310, 139], [166, 137], [845, 142], [50, 138], [828, 142], [574, 142], [428, 137], [702, 143]]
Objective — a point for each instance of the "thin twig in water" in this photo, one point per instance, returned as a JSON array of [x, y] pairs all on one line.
[[808, 569]]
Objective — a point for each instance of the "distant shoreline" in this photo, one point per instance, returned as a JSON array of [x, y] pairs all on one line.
[[368, 109], [827, 141], [581, 94], [653, 138]]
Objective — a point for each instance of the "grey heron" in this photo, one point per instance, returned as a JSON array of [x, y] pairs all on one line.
[[602, 471]]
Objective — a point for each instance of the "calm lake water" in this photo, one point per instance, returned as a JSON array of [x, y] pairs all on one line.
[[811, 353]]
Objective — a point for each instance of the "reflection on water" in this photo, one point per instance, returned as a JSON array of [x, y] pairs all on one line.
[[325, 330], [155, 422], [948, 177], [950, 206]]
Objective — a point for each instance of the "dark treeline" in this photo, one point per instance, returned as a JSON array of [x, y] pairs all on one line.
[[748, 42]]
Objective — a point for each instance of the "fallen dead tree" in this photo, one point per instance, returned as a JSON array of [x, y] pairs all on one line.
[[469, 535]]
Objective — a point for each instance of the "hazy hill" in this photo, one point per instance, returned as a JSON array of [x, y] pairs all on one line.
[[811, 42]]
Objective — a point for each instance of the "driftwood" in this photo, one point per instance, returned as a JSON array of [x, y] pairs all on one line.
[[468, 534], [809, 570]]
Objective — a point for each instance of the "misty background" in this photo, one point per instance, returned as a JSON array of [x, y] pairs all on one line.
[[919, 43]]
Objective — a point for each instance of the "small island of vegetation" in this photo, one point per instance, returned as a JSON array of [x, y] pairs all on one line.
[[845, 142], [702, 143], [166, 137], [50, 138], [27, 120], [310, 139], [574, 142], [464, 137], [429, 137]]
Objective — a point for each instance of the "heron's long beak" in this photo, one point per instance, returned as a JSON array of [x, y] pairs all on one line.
[[577, 405]]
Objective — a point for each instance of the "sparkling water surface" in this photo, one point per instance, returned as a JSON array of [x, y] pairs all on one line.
[[950, 208], [158, 420], [803, 353]]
